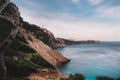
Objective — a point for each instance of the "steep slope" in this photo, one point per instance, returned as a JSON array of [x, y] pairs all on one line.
[[52, 56], [40, 33], [32, 49], [33, 37]]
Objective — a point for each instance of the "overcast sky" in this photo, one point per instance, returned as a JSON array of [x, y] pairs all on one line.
[[75, 19]]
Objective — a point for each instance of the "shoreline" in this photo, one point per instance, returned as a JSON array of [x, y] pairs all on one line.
[[61, 42]]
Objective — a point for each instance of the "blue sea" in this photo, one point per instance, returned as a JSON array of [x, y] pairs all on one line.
[[93, 60]]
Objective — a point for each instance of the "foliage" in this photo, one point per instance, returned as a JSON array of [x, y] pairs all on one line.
[[21, 59], [19, 67], [76, 76], [118, 79], [37, 59], [17, 45], [104, 78], [21, 38]]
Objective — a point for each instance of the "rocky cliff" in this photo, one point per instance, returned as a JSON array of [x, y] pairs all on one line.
[[33, 47], [40, 33]]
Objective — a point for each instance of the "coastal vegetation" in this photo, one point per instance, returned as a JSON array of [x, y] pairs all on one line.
[[79, 76], [76, 76], [21, 59]]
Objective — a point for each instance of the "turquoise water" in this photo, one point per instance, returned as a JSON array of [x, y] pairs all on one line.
[[93, 60]]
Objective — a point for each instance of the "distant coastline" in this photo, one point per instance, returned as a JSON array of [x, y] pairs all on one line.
[[61, 42]]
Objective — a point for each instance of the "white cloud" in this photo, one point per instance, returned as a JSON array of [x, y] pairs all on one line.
[[75, 1], [111, 12], [63, 26], [78, 30], [95, 2]]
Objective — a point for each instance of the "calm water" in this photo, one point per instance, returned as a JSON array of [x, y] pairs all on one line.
[[93, 59]]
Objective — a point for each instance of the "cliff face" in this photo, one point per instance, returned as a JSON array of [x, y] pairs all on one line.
[[11, 12], [40, 33], [52, 56], [33, 47]]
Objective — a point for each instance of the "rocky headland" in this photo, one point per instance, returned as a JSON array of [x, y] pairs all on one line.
[[28, 49]]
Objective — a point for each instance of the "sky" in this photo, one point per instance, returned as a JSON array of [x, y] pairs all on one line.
[[75, 19]]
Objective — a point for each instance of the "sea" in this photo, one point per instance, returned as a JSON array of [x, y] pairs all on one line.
[[92, 60]]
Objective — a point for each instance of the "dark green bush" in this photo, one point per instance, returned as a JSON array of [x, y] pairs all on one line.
[[104, 78], [118, 79], [37, 59], [17, 45], [76, 76], [21, 38], [19, 68]]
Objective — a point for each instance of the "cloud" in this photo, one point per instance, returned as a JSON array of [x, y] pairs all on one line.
[[111, 11], [75, 1], [68, 26], [78, 30], [95, 2]]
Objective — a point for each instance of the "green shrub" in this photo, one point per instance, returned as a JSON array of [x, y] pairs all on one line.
[[17, 45], [104, 78], [37, 59], [118, 79], [76, 76], [21, 38], [19, 68]]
